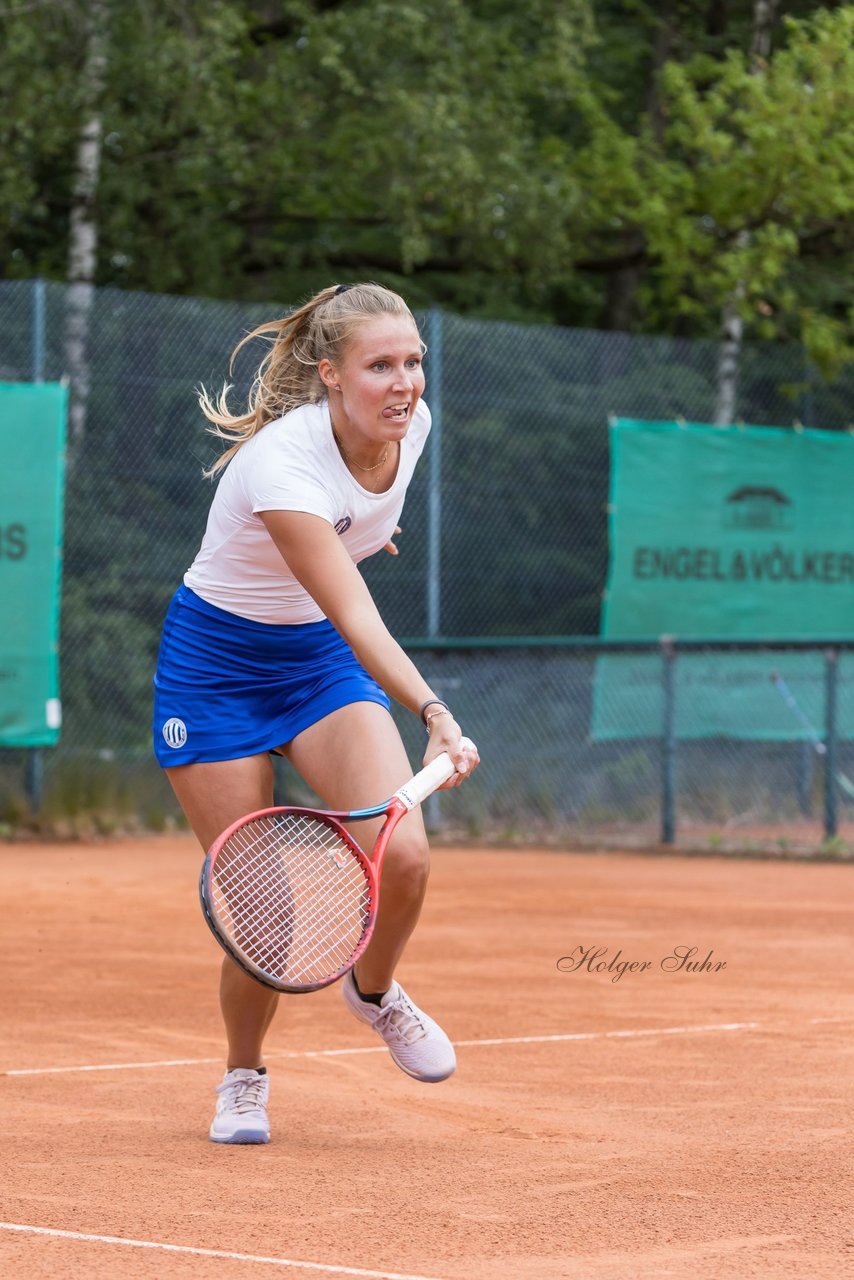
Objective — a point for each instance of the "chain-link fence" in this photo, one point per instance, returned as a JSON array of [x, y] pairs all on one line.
[[505, 536]]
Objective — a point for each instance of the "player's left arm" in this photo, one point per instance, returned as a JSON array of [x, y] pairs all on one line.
[[315, 556]]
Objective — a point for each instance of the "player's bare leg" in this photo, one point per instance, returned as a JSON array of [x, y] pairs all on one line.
[[213, 796], [348, 778]]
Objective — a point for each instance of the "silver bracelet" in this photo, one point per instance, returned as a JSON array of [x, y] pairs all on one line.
[[431, 702], [443, 711]]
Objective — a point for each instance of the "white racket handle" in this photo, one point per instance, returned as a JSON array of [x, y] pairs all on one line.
[[432, 776]]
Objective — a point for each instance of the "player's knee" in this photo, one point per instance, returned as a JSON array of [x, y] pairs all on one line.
[[410, 860]]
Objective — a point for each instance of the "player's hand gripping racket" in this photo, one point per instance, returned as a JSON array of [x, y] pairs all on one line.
[[291, 897]]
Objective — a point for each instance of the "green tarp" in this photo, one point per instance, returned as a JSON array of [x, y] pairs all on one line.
[[720, 533], [32, 439]]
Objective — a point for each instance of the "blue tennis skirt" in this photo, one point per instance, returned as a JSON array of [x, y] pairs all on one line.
[[227, 687]]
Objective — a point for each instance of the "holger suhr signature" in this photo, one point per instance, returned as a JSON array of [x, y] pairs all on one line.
[[681, 959]]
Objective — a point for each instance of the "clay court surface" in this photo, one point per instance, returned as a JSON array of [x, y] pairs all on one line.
[[666, 1124]]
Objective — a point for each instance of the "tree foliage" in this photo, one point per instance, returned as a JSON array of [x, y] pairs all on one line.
[[769, 152], [587, 164]]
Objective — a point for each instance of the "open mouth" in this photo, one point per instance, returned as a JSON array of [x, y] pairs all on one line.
[[396, 412]]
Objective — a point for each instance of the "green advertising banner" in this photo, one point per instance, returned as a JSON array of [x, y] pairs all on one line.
[[32, 439], [718, 533]]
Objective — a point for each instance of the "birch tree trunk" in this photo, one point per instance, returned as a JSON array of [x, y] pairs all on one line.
[[729, 352], [764, 17], [83, 229], [732, 325]]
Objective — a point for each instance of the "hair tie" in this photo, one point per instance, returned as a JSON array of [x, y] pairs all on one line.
[[342, 288]]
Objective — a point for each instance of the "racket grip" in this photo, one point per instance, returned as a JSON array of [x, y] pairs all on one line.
[[428, 779]]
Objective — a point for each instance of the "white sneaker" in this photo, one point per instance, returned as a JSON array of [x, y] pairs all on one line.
[[241, 1109], [418, 1045]]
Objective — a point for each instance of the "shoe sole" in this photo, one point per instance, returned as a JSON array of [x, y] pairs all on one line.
[[422, 1079], [242, 1137]]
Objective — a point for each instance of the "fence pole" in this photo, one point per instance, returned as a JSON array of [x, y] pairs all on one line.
[[38, 343], [433, 805], [434, 504], [668, 741], [34, 779], [34, 764], [831, 685]]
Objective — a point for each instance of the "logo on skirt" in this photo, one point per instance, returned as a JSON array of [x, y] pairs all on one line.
[[175, 732]]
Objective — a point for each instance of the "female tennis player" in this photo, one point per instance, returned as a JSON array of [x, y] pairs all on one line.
[[273, 644]]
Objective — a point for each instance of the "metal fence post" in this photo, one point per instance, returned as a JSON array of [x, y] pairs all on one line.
[[434, 503], [433, 805], [34, 764], [668, 741], [34, 779], [831, 685], [38, 331]]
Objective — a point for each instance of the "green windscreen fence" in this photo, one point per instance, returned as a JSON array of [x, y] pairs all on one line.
[[726, 533], [32, 439]]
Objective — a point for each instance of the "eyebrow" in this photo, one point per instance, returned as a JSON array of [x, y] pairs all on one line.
[[387, 356]]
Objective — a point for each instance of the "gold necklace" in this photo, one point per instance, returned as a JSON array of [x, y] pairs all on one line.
[[345, 455]]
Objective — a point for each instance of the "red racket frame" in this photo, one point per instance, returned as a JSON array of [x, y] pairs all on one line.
[[394, 809]]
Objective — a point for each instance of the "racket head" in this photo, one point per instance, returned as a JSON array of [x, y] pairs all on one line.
[[290, 897]]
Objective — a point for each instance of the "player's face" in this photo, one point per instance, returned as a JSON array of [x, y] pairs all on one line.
[[381, 378]]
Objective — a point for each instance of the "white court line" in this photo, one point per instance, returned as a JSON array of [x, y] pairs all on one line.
[[328, 1268], [632, 1034]]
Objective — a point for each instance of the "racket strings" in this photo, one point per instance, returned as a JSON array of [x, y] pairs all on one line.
[[290, 894]]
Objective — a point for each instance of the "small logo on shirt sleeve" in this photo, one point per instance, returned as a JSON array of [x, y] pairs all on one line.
[[343, 525]]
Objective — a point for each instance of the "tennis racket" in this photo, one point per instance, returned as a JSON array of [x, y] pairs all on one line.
[[290, 896]]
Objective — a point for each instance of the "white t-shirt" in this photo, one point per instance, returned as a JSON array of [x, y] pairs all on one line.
[[292, 464]]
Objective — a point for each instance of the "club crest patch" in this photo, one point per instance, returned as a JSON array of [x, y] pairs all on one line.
[[175, 732]]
